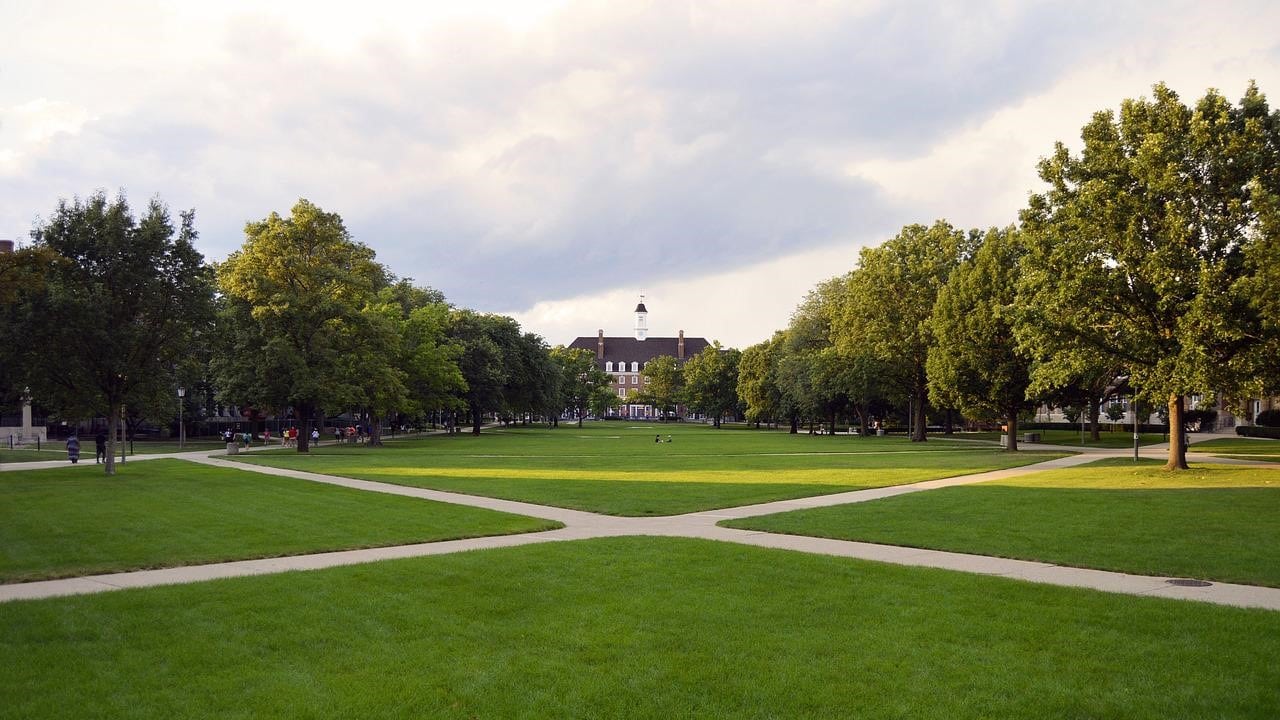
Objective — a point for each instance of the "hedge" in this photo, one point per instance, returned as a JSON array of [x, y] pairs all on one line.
[[1258, 431]]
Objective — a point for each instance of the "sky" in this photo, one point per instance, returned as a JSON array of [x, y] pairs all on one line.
[[556, 160]]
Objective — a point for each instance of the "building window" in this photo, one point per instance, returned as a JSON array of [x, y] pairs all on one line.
[[622, 392], [608, 367], [635, 379], [635, 367]]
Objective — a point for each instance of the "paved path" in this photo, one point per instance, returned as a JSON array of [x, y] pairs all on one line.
[[581, 525]]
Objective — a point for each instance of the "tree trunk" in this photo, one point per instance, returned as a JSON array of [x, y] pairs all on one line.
[[918, 429], [947, 430], [375, 430], [831, 418], [795, 423], [475, 420], [306, 413], [113, 420], [1095, 411], [1177, 438], [1012, 423]]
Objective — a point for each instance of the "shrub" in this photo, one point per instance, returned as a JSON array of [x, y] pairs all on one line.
[[1258, 431], [1268, 418], [1115, 411]]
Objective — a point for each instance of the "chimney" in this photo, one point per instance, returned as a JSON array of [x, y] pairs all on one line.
[[600, 344], [680, 346]]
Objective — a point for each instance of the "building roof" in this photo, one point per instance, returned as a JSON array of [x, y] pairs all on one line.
[[640, 308], [629, 349]]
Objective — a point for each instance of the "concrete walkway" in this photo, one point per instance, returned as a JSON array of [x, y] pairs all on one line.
[[581, 525]]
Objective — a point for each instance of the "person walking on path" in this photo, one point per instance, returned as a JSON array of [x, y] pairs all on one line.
[[315, 436], [73, 449], [100, 447]]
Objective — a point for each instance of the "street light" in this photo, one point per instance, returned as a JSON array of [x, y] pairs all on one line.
[[182, 434]]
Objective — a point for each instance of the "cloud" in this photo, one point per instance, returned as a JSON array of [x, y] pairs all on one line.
[[516, 153]]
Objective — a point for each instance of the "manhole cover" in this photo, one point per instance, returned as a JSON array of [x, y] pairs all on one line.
[[1188, 583]]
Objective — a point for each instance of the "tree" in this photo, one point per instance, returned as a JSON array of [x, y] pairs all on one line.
[[583, 384], [711, 381], [293, 322], [890, 298], [22, 274], [757, 380], [976, 364], [487, 342], [664, 384], [120, 301], [1140, 247], [429, 360]]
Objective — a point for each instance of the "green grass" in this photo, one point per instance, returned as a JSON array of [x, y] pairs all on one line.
[[1071, 438], [1247, 448], [1217, 522], [617, 469], [47, 451], [162, 513], [154, 447], [57, 449], [633, 627]]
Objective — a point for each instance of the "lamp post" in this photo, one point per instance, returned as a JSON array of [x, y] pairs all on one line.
[[182, 433]]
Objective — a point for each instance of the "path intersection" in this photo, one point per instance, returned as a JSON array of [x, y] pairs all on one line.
[[581, 525]]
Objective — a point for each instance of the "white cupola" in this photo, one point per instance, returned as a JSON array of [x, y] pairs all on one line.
[[642, 320]]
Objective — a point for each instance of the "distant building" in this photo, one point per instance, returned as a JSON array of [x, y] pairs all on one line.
[[625, 357]]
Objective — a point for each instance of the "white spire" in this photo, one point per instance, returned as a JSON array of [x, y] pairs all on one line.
[[642, 320]]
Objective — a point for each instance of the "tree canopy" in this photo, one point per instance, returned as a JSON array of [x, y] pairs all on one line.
[[1140, 247], [119, 301], [890, 301], [294, 327], [975, 364], [711, 381]]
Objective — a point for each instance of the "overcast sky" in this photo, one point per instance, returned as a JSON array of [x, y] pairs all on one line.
[[554, 160]]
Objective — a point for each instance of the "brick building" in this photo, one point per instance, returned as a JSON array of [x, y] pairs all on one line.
[[624, 358]]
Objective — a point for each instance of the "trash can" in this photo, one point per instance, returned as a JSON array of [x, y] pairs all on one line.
[[1004, 441], [879, 431], [233, 448]]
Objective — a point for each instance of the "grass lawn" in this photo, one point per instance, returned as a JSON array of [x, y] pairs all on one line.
[[1247, 448], [633, 627], [162, 513], [1071, 438], [1214, 522], [47, 451], [57, 449], [618, 469]]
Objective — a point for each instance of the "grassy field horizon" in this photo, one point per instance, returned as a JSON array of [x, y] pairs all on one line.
[[620, 470]]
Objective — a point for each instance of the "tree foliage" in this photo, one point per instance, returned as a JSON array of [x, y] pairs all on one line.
[[120, 301], [758, 388], [889, 303], [975, 364], [583, 385], [1141, 245], [711, 381], [295, 330], [664, 384]]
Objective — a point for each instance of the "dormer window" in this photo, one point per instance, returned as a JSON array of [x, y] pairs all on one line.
[[608, 366], [635, 367]]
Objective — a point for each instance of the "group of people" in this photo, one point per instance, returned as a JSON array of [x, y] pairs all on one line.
[[658, 438], [353, 434], [100, 448]]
